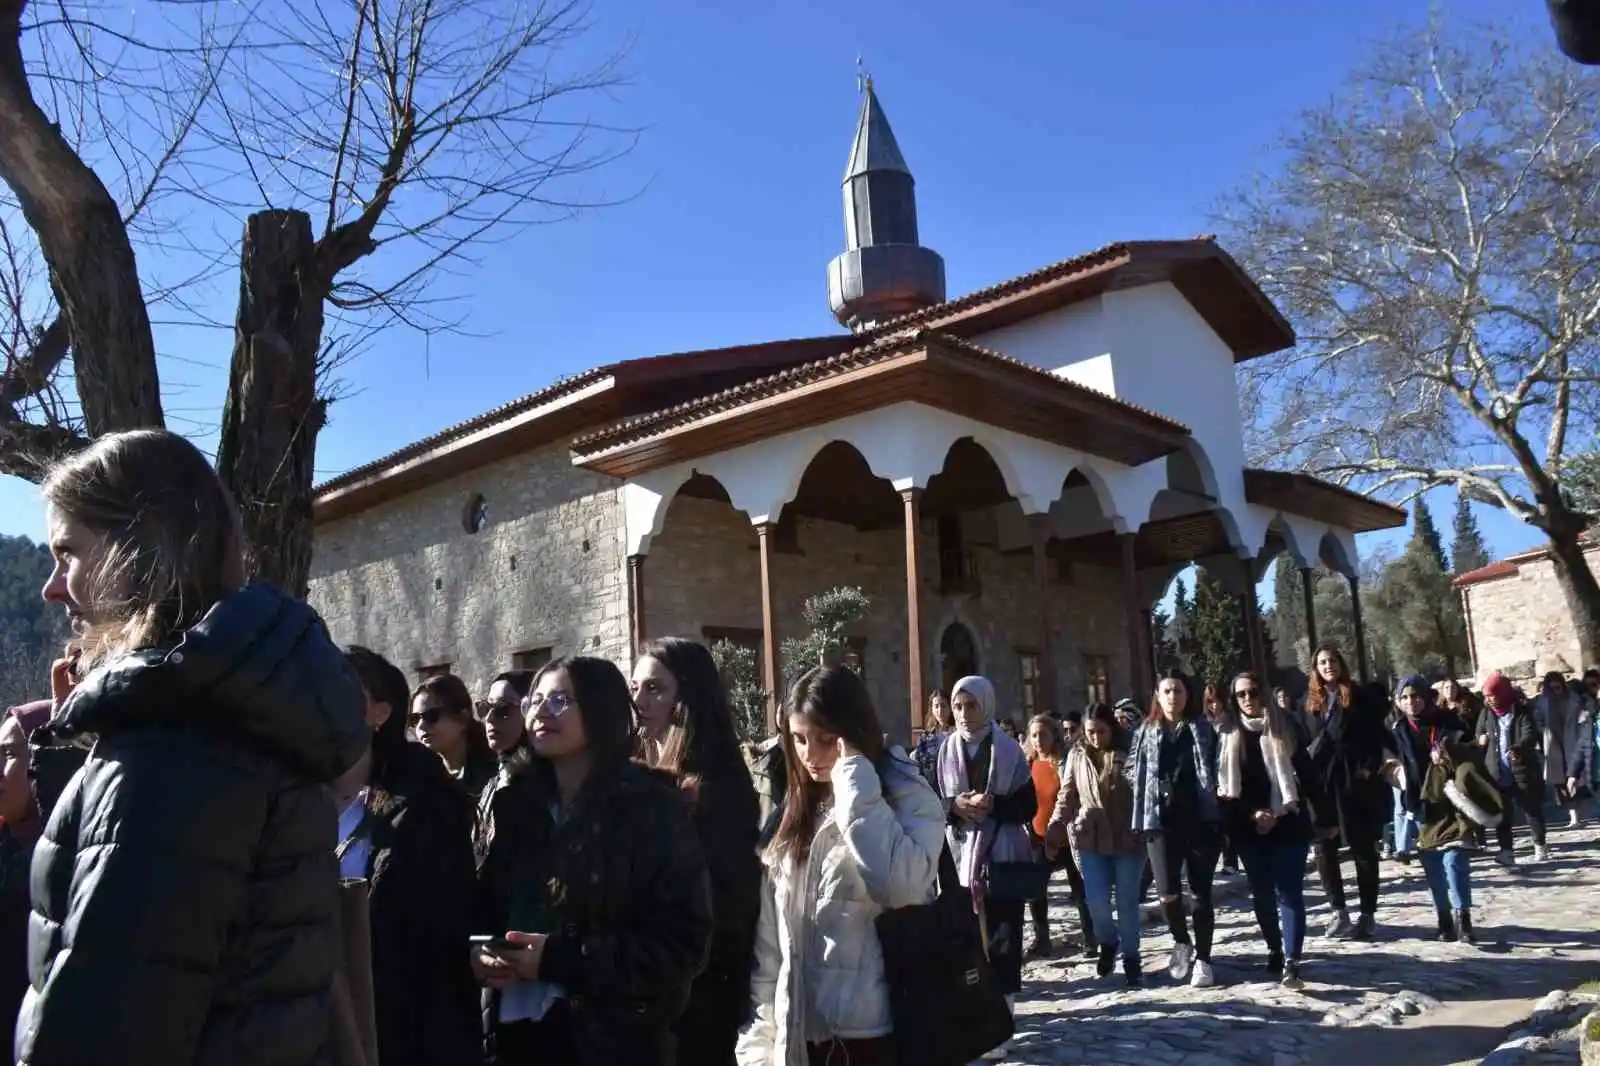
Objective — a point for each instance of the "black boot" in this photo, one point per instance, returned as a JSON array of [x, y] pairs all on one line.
[[1107, 961], [1133, 970], [1447, 926], [1464, 926], [1041, 948]]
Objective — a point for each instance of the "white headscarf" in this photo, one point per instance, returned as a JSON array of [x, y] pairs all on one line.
[[981, 690]]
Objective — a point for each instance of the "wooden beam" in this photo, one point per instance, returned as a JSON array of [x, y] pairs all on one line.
[[771, 679], [1307, 588], [1140, 677], [636, 628], [1361, 629], [916, 689], [1039, 526]]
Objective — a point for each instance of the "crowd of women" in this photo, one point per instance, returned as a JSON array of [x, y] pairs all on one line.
[[576, 866]]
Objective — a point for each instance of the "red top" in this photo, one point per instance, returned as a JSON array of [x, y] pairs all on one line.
[[1046, 783]]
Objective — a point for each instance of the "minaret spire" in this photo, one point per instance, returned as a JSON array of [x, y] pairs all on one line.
[[883, 271]]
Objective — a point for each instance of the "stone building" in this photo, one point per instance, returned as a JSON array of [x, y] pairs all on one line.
[[1013, 476], [1517, 617]]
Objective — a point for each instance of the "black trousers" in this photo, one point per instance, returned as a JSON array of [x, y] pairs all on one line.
[[1039, 906], [1364, 857], [1531, 802], [1193, 849], [1004, 917]]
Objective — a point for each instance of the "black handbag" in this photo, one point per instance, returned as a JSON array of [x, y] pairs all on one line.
[[1016, 880], [943, 1000]]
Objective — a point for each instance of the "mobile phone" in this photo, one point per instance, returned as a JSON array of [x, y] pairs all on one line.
[[493, 943]]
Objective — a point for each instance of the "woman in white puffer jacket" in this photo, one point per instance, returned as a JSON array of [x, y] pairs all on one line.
[[862, 832]]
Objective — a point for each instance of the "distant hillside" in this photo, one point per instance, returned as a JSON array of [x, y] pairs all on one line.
[[31, 631]]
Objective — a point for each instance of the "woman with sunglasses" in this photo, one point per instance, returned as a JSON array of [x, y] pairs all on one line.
[[686, 729], [442, 718], [404, 829], [594, 887], [501, 717], [1263, 782]]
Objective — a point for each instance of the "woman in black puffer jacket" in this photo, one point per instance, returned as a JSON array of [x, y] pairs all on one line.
[[185, 890]]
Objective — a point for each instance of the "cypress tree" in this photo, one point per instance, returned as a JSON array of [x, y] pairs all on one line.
[[1467, 550]]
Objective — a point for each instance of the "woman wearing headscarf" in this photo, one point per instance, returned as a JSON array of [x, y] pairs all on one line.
[[1508, 733], [988, 791]]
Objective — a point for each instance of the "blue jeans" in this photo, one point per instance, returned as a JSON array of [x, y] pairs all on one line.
[[1277, 874], [1405, 830], [1449, 873], [1102, 874]]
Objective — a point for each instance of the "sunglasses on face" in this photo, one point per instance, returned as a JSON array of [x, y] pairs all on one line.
[[430, 716], [555, 704], [498, 711], [1247, 694]]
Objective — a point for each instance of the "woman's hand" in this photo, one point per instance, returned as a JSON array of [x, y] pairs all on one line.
[[500, 967], [973, 806], [1438, 756], [1265, 820], [1572, 787], [1483, 740], [1055, 838], [64, 676]]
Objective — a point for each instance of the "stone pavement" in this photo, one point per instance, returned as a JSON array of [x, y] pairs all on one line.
[[1538, 928]]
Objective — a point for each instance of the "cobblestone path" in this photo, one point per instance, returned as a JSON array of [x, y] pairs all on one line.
[[1536, 925]]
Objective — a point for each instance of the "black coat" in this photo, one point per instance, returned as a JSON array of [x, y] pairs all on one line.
[[726, 813], [423, 891], [1348, 751], [1255, 794], [630, 904], [190, 864], [15, 856], [1527, 742]]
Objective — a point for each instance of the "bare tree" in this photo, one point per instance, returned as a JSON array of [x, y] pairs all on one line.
[[1433, 233], [343, 127]]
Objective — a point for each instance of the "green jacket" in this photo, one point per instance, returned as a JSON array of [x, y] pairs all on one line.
[[1459, 800]]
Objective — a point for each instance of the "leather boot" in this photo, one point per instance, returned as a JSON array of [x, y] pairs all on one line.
[[1447, 926], [1464, 926]]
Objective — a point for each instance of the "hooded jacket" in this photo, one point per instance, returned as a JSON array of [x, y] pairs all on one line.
[[185, 905]]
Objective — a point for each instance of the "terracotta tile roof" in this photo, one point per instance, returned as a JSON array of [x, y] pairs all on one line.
[[642, 427], [461, 429], [1511, 564]]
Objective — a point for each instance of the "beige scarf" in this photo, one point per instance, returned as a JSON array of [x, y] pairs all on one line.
[[1276, 752]]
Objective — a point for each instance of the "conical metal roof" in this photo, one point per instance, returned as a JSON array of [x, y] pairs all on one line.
[[874, 147]]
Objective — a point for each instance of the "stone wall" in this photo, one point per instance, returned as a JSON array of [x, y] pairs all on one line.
[[546, 572], [704, 571], [1520, 623]]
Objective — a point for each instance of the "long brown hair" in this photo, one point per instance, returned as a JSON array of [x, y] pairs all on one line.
[[1317, 694], [835, 699], [701, 741], [172, 546]]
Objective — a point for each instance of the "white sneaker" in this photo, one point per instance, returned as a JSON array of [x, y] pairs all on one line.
[[1339, 927], [1203, 976], [1180, 961], [1572, 819], [1505, 857], [1541, 853]]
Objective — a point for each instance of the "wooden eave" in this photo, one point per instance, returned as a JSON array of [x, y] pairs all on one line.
[[946, 376], [1309, 497], [1208, 278]]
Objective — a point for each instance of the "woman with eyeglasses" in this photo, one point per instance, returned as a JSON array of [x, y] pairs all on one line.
[[686, 729], [1263, 788], [406, 830], [594, 892], [501, 717], [442, 718]]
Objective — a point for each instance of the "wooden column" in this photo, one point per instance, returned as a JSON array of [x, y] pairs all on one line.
[[915, 687], [770, 677], [1149, 630], [1141, 678], [1255, 647], [1047, 698], [1307, 587], [636, 601], [1361, 629]]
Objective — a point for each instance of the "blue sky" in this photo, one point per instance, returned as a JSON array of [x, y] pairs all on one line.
[[1035, 130]]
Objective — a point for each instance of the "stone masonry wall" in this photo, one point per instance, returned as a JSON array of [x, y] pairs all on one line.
[[703, 570], [409, 581], [1520, 623]]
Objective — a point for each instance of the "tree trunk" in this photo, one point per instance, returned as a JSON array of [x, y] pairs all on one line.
[[1579, 587], [272, 415], [85, 244]]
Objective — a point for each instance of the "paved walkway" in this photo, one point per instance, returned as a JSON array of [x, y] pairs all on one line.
[[1538, 928]]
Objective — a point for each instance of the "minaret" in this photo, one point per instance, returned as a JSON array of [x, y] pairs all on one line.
[[883, 271]]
